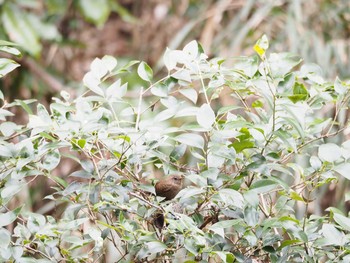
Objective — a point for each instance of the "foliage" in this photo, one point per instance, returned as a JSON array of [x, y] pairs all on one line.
[[247, 164]]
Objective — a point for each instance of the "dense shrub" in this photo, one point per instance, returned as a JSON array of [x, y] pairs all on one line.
[[249, 164]]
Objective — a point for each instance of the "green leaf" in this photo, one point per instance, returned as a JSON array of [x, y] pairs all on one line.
[[168, 61], [231, 197], [92, 82], [59, 181], [343, 221], [191, 49], [151, 248], [11, 190], [295, 196], [263, 186], [9, 217], [8, 128], [20, 29], [287, 243], [282, 63], [226, 257], [178, 152], [191, 94], [340, 87], [315, 162], [332, 236], [343, 169], [24, 105], [7, 65], [5, 238], [4, 114], [51, 160], [300, 93], [116, 90], [73, 224], [227, 109], [191, 246], [205, 116], [145, 72], [109, 62], [219, 227], [329, 152], [191, 139], [239, 146], [96, 12], [7, 43], [10, 50], [247, 65], [183, 75], [243, 141], [190, 192]]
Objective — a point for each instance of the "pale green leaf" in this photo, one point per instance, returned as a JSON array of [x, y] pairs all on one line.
[[231, 197], [168, 61], [182, 74], [109, 62], [73, 224], [332, 235], [315, 162], [151, 248], [190, 139], [219, 227], [92, 82], [205, 116], [340, 87], [10, 50], [191, 49], [7, 218], [343, 169], [343, 221], [8, 128], [7, 65], [145, 72], [5, 238], [329, 152], [21, 29], [191, 94], [51, 160]]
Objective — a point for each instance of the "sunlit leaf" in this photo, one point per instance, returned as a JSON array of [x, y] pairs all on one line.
[[145, 72], [189, 139], [191, 94], [8, 217], [205, 116], [343, 169], [340, 86], [329, 152], [7, 65]]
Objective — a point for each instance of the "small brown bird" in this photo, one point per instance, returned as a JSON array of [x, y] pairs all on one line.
[[167, 187], [170, 186]]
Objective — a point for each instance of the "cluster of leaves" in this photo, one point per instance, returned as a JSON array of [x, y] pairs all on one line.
[[241, 163]]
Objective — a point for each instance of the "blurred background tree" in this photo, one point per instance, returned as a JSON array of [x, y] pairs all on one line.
[[61, 38]]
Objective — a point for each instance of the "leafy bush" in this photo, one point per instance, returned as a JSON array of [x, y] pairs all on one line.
[[248, 165]]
